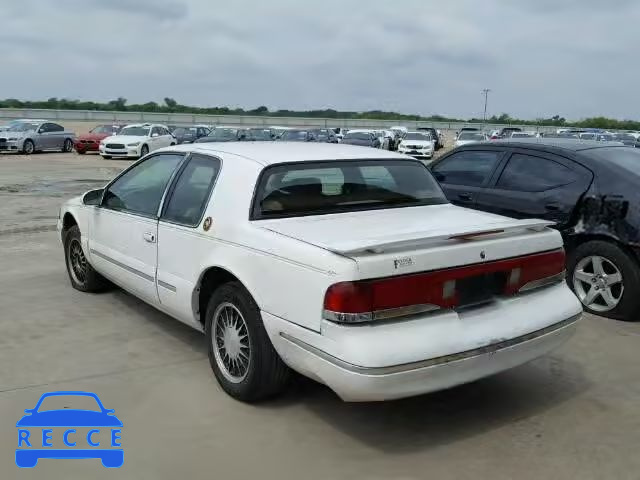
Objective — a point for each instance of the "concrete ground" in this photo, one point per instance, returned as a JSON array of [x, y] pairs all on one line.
[[572, 415]]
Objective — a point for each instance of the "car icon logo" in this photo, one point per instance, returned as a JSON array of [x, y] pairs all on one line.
[[69, 433]]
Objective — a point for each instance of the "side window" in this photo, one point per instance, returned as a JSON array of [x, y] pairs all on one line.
[[155, 131], [45, 128], [191, 191], [469, 168], [534, 174], [140, 189], [54, 127]]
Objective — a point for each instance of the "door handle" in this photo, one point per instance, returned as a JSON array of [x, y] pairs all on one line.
[[149, 237], [465, 197]]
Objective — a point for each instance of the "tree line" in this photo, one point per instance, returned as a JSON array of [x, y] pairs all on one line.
[[170, 105]]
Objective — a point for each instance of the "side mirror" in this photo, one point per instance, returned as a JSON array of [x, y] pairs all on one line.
[[40, 130], [93, 197]]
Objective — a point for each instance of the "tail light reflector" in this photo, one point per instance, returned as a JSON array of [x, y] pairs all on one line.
[[367, 300]]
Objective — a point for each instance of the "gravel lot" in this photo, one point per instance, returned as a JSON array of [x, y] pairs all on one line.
[[574, 414]]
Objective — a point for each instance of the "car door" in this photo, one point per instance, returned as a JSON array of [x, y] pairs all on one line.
[[56, 136], [167, 138], [155, 139], [465, 173], [180, 235], [123, 230], [42, 137], [534, 184]]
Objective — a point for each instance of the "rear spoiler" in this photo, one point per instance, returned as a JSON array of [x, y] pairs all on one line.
[[414, 239]]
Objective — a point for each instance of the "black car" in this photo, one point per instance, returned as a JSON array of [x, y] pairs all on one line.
[[364, 139], [255, 135], [325, 135], [295, 135], [220, 135], [189, 134], [590, 189], [627, 139], [434, 135]]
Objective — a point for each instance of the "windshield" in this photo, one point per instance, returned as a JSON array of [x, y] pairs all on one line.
[[625, 137], [258, 134], [294, 135], [135, 131], [24, 127], [224, 134], [184, 131], [357, 136], [417, 136], [75, 402], [317, 188], [471, 136], [108, 129]]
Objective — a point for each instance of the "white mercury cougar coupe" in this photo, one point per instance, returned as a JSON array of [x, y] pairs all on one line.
[[346, 264]]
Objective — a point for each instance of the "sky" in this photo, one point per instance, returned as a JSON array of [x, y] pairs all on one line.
[[574, 58]]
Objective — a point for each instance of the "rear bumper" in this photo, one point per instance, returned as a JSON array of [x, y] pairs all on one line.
[[402, 359]]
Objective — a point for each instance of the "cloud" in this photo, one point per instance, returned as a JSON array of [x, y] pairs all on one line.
[[544, 58]]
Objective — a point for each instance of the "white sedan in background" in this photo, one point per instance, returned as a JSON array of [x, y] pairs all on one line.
[[417, 144], [346, 264], [467, 137], [135, 141]]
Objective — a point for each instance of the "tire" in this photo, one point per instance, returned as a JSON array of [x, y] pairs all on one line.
[[264, 374], [613, 299], [28, 147], [144, 151], [83, 277], [67, 146], [106, 157]]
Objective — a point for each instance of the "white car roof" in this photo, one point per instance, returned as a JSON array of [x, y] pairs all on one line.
[[267, 153]]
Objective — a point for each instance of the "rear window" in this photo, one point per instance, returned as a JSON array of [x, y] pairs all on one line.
[[317, 188], [624, 157]]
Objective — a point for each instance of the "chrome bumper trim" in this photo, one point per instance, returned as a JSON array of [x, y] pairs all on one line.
[[407, 367]]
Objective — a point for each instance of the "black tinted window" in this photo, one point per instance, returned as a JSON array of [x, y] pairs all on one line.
[[191, 192], [470, 168], [54, 127], [316, 188], [534, 174], [140, 189]]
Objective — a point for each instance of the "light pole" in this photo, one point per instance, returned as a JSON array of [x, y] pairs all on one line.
[[485, 92]]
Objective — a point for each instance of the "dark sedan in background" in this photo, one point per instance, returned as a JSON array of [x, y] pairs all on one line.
[[255, 135], [189, 134], [364, 139], [295, 135], [220, 135], [325, 135], [590, 189]]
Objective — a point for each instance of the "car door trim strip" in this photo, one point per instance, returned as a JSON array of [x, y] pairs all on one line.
[[167, 286], [123, 266]]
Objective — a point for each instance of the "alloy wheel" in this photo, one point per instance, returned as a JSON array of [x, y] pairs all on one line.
[[77, 262], [598, 283], [231, 346]]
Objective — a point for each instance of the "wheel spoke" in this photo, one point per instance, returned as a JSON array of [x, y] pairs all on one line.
[[608, 298], [614, 278], [584, 276], [597, 265], [591, 295]]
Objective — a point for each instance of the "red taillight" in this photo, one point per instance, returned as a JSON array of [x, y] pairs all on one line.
[[397, 296]]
